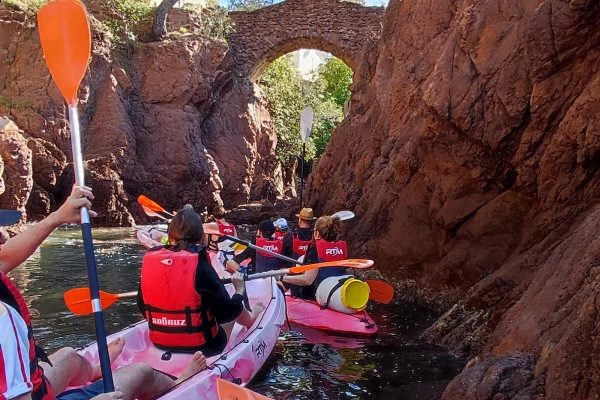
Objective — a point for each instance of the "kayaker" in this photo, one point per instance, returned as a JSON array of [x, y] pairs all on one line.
[[225, 228], [325, 247], [281, 228], [295, 242], [26, 372], [260, 261], [181, 296]]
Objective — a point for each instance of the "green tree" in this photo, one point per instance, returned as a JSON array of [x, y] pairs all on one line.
[[288, 95], [336, 77], [248, 5]]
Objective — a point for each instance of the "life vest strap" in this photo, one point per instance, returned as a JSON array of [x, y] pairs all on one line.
[[332, 291]]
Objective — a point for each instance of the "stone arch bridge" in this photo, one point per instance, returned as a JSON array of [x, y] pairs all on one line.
[[339, 27]]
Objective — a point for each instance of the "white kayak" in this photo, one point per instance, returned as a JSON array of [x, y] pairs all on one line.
[[244, 355]]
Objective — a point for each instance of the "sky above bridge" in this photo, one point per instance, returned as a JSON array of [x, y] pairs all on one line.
[[369, 2]]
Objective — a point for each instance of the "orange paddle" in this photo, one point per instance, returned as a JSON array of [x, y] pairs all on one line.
[[78, 300], [381, 292], [66, 43], [152, 205], [230, 391]]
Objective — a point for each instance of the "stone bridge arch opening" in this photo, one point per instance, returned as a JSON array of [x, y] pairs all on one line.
[[291, 46]]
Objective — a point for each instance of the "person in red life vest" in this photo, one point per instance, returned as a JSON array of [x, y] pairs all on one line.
[[281, 228], [181, 296], [26, 372], [260, 261], [225, 228], [325, 247], [295, 242]]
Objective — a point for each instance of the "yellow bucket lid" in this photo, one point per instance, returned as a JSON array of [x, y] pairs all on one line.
[[355, 294]]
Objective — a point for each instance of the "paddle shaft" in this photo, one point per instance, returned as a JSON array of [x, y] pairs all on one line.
[[302, 172], [255, 247], [90, 257]]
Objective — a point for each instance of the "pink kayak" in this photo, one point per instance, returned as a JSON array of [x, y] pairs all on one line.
[[244, 355], [309, 313]]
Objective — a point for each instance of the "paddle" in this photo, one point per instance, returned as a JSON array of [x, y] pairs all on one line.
[[151, 213], [78, 300], [230, 391], [209, 229], [343, 215], [306, 121], [66, 43], [152, 205], [9, 217], [381, 292]]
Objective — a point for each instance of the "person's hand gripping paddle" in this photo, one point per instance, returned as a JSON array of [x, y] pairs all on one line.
[[66, 42]]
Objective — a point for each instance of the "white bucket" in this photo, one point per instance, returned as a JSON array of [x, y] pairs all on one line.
[[349, 298]]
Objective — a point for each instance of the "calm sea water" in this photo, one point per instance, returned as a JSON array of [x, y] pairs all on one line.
[[306, 363]]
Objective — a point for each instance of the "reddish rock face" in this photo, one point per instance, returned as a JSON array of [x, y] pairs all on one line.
[[470, 158], [164, 119]]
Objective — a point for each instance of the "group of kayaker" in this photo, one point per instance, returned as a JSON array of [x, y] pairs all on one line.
[[320, 244], [26, 372], [181, 296]]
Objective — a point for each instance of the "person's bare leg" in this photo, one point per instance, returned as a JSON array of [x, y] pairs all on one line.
[[247, 318], [140, 381], [70, 369], [114, 350]]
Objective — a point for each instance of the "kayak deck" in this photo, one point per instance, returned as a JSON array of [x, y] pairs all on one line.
[[309, 313], [245, 353]]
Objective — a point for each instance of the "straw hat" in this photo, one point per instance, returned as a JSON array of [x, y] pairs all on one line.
[[306, 214]]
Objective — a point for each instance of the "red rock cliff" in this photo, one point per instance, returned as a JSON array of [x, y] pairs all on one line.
[[471, 159]]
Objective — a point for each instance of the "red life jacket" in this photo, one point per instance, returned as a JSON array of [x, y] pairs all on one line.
[[279, 235], [213, 240], [227, 229], [264, 261], [177, 320], [299, 246], [330, 251], [10, 295]]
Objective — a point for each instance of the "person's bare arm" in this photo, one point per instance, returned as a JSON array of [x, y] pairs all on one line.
[[20, 247], [305, 279]]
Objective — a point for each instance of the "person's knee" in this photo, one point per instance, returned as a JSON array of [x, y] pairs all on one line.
[[142, 370], [64, 355]]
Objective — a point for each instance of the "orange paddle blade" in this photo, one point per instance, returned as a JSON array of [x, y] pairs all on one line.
[[230, 391], [357, 263], [66, 43], [150, 204], [381, 292], [78, 300]]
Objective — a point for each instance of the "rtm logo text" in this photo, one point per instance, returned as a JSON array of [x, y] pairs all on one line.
[[334, 252]]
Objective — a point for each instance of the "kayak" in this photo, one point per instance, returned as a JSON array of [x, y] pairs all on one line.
[[309, 313], [150, 238], [244, 355]]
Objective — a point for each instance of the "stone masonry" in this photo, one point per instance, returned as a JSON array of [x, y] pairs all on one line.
[[340, 27]]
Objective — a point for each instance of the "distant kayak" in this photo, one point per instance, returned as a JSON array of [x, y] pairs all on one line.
[[244, 355], [309, 313], [150, 238]]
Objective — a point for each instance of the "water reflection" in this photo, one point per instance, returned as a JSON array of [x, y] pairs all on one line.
[[306, 363]]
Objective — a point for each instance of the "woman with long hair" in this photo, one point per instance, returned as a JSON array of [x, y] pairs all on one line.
[[326, 246], [184, 301]]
